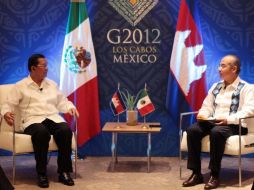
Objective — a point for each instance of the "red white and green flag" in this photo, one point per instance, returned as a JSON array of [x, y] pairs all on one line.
[[144, 105], [78, 77]]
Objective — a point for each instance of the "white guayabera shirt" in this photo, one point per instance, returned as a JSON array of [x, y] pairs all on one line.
[[223, 102], [37, 103]]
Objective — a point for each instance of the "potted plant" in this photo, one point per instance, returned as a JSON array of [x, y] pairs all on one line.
[[131, 113]]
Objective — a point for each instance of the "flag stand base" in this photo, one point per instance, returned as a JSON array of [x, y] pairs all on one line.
[[118, 126], [145, 126]]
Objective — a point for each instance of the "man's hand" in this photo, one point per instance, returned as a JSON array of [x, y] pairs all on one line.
[[74, 112], [9, 118], [221, 122]]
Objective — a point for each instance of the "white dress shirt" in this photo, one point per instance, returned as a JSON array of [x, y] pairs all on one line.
[[37, 103], [223, 102]]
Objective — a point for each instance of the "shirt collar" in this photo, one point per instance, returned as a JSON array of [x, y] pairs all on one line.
[[31, 82], [234, 84]]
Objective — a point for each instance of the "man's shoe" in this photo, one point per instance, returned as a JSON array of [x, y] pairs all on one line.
[[66, 179], [194, 179], [43, 181], [213, 183]]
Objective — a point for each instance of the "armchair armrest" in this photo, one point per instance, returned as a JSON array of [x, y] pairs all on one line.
[[181, 135], [180, 124], [240, 122], [183, 115], [240, 132], [245, 118], [75, 133]]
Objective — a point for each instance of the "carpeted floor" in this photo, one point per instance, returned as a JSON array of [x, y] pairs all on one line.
[[94, 173]]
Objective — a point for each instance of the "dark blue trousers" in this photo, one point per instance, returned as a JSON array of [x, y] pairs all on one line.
[[218, 137], [40, 134]]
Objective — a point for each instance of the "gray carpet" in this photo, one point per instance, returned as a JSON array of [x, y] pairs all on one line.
[[94, 173]]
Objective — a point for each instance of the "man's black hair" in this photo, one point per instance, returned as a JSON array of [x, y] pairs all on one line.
[[33, 60]]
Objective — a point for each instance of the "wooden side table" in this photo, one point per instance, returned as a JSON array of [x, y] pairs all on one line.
[[122, 127]]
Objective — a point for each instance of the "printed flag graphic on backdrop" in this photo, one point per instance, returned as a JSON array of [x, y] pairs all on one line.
[[186, 85], [117, 104], [78, 77], [144, 105]]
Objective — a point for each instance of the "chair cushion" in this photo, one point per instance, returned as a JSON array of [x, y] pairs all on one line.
[[23, 142], [232, 144], [4, 91]]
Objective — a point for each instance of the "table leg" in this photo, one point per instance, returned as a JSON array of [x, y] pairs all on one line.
[[116, 160], [114, 150], [148, 151]]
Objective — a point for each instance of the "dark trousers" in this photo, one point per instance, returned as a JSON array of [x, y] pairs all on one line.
[[4, 182], [218, 137], [62, 134]]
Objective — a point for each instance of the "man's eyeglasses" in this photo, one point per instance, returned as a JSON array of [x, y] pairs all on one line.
[[42, 66]]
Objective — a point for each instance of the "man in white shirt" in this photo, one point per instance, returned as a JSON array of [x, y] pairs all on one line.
[[40, 102], [226, 102]]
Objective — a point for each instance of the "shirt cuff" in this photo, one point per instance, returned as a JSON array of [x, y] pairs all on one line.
[[70, 106], [204, 114], [4, 110], [232, 120]]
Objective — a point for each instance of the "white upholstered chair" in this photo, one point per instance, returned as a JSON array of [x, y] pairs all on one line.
[[18, 143], [236, 145]]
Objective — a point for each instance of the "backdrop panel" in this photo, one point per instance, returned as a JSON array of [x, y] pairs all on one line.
[[120, 40]]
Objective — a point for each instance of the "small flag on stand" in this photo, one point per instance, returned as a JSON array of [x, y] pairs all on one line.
[[144, 105], [117, 104]]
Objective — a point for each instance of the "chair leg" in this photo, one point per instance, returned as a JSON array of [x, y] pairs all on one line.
[[180, 163], [49, 156], [180, 151], [13, 154], [76, 148], [13, 168], [240, 170], [76, 153], [76, 158]]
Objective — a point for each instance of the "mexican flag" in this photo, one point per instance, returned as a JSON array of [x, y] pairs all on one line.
[[78, 77], [144, 105]]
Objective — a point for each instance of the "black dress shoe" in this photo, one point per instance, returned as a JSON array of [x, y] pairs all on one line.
[[194, 179], [66, 179], [43, 181], [213, 183]]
